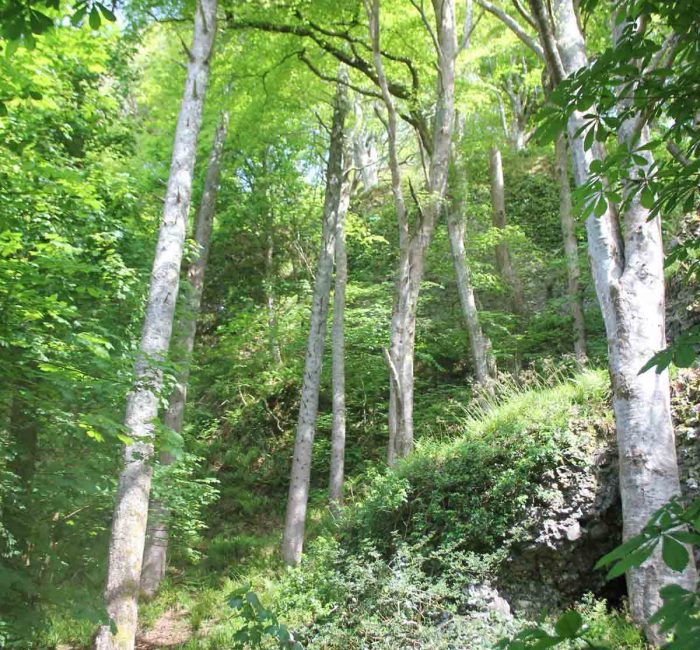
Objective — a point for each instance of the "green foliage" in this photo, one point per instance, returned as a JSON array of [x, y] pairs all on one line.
[[471, 492], [23, 20], [259, 622]]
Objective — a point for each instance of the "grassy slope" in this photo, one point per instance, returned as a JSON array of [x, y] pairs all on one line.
[[390, 573]]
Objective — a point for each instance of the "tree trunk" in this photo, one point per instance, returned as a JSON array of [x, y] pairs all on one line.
[[484, 363], [568, 231], [364, 151], [413, 246], [295, 521], [503, 256], [337, 471], [131, 508], [155, 552], [627, 262]]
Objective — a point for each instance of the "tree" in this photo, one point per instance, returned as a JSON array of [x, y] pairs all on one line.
[[414, 245], [568, 232], [295, 519], [131, 507], [480, 345], [504, 260], [626, 253], [155, 551], [337, 470]]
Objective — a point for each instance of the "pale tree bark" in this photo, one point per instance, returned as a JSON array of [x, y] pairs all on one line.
[[337, 469], [504, 260], [626, 254], [295, 520], [413, 245], [482, 357], [568, 231], [365, 151], [131, 508], [155, 551], [522, 104]]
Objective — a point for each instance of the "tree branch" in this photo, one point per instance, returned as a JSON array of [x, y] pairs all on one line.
[[527, 17], [362, 91], [514, 26]]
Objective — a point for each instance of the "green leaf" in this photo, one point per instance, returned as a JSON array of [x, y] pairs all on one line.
[[674, 553], [253, 599], [621, 551], [661, 360], [107, 13], [94, 18], [78, 16], [11, 48], [569, 624], [647, 198], [600, 207], [632, 560], [684, 355]]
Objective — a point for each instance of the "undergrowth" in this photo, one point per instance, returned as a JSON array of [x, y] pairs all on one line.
[[394, 571]]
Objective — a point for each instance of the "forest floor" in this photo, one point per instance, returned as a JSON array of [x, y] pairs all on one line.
[[171, 629]]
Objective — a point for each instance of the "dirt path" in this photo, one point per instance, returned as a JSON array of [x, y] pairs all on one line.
[[170, 630]]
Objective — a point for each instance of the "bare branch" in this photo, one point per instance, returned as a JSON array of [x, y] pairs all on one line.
[[546, 32], [521, 10], [514, 26], [401, 213], [468, 25], [362, 91], [426, 23], [663, 59], [676, 152]]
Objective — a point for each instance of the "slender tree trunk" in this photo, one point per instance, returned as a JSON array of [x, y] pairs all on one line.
[[627, 263], [272, 329], [155, 551], [568, 231], [504, 261], [364, 151], [295, 521], [337, 471], [413, 245], [484, 363], [131, 508]]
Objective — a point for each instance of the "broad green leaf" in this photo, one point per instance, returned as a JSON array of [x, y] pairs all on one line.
[[94, 18], [674, 553], [632, 560], [647, 198], [569, 624]]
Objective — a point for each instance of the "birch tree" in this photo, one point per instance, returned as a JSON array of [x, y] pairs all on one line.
[[131, 507], [155, 552], [295, 519], [480, 346], [337, 470], [365, 151], [414, 242], [568, 232], [626, 254], [504, 260]]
